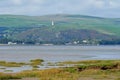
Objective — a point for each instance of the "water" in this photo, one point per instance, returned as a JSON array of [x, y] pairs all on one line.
[[58, 53], [55, 54]]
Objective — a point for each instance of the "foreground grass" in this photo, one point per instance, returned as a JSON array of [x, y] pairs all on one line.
[[85, 70]]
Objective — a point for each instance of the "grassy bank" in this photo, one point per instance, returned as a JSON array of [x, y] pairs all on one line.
[[84, 70], [33, 63], [11, 64]]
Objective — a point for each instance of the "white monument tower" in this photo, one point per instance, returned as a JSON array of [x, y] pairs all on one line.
[[53, 23]]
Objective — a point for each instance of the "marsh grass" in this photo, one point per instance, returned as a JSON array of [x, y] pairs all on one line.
[[62, 74], [51, 64], [11, 64], [91, 70], [4, 76], [2, 68], [91, 62], [33, 63], [36, 61]]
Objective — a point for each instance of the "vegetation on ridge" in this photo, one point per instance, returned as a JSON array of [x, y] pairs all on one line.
[[39, 29]]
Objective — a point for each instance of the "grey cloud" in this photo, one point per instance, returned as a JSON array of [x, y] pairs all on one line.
[[104, 8]]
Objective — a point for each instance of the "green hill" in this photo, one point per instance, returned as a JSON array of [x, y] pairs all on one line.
[[39, 28]]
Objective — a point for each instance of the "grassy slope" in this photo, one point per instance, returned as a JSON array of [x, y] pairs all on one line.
[[63, 22]]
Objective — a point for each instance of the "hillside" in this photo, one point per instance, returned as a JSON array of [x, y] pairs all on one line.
[[65, 28]]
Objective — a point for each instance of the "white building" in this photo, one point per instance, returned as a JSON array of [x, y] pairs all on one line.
[[11, 43]]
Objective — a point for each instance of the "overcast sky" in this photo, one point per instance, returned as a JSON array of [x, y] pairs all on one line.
[[102, 8]]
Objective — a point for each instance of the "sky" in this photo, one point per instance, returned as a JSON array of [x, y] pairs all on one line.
[[100, 8]]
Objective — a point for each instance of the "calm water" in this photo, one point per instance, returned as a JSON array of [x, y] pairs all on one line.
[[58, 53], [54, 54]]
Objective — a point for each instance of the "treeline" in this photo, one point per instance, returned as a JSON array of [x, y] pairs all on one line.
[[65, 37], [102, 42], [110, 42]]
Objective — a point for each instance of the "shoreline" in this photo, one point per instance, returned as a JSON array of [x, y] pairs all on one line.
[[53, 45]]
